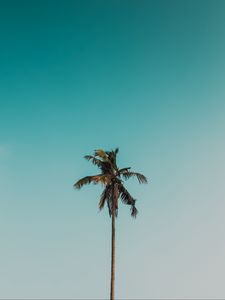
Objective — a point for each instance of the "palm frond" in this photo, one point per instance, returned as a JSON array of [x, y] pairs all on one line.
[[134, 211], [116, 194], [112, 198], [128, 199], [105, 166], [83, 181], [101, 153], [125, 195], [109, 203], [94, 160], [112, 159], [101, 178], [106, 195], [114, 155], [124, 170], [141, 178]]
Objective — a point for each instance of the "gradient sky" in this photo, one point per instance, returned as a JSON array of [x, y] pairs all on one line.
[[147, 77]]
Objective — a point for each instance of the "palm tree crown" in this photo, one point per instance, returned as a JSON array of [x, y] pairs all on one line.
[[111, 178]]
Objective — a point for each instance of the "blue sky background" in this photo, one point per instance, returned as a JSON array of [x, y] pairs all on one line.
[[148, 77]]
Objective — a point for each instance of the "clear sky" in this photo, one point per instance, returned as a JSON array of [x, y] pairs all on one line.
[[147, 77]]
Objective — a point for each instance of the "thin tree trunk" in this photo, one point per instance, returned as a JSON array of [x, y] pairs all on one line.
[[112, 295]]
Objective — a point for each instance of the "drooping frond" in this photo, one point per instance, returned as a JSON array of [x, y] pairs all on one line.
[[134, 211], [109, 203], [125, 195], [141, 178], [101, 178], [112, 196], [128, 199], [110, 209], [106, 195]]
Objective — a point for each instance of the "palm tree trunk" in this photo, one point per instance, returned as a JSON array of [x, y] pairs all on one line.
[[113, 256]]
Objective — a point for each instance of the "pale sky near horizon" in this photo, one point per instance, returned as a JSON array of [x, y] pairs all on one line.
[[147, 77]]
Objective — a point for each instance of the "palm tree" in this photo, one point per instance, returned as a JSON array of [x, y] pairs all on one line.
[[110, 177]]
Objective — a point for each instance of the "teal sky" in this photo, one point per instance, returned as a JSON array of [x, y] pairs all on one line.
[[147, 77]]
